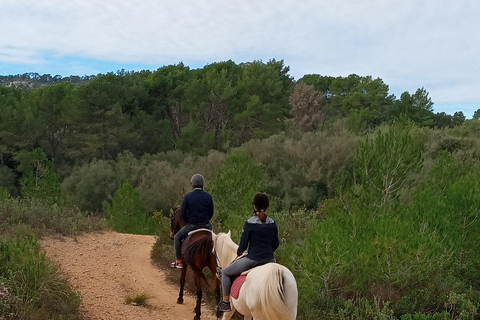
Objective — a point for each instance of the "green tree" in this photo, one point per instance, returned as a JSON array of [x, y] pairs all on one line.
[[363, 99], [8, 180], [233, 189], [9, 122], [417, 107], [98, 130], [39, 179], [56, 111], [320, 83], [383, 164], [127, 214], [458, 118], [91, 186], [476, 115], [211, 94], [263, 90], [167, 88]]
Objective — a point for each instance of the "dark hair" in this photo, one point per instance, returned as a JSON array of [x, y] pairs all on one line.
[[262, 202]]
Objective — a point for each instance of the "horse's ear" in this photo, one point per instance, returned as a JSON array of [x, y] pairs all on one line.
[[229, 233]]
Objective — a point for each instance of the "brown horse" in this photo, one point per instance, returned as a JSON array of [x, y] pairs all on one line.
[[197, 253]]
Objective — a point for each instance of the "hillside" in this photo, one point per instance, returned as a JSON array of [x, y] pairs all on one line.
[[35, 80]]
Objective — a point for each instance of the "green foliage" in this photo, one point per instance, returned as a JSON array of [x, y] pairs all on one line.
[[166, 177], [383, 164], [30, 286], [127, 215], [39, 179], [365, 309], [91, 187], [301, 170], [415, 254], [233, 189], [139, 299], [8, 180], [4, 194], [359, 226], [43, 218]]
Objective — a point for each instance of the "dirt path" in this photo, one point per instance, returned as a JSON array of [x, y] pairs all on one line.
[[106, 267]]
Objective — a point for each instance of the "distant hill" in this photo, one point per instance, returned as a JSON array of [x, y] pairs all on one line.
[[35, 80]]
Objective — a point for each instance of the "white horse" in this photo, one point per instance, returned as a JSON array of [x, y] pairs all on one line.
[[269, 292]]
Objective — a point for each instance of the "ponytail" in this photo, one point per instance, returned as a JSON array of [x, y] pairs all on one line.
[[262, 215]]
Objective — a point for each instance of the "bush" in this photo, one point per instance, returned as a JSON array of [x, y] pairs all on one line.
[[91, 186], [8, 180], [30, 286], [39, 179], [413, 255], [43, 218], [233, 189], [301, 169], [126, 214]]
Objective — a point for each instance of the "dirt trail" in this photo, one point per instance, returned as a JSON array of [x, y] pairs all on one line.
[[106, 267]]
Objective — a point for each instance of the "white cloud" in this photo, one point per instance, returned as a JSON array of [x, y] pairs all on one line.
[[409, 44]]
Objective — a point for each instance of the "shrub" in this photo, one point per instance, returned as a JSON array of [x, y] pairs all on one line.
[[301, 169], [382, 165], [233, 189], [126, 214], [415, 254], [39, 179], [30, 286], [166, 177], [91, 186], [42, 218], [8, 180]]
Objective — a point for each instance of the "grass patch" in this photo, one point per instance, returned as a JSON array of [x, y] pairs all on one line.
[[31, 286], [139, 299]]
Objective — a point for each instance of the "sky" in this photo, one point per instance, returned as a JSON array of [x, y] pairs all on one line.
[[409, 44]]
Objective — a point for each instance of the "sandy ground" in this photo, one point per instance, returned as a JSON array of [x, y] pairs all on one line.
[[107, 267]]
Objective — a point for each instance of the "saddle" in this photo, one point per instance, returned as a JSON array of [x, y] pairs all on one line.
[[237, 285]]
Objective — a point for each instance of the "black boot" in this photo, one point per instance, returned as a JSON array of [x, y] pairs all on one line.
[[224, 306]]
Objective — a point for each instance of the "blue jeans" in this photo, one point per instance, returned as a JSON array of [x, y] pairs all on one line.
[[183, 233], [235, 269]]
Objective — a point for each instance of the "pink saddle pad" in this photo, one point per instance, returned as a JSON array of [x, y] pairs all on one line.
[[236, 286]]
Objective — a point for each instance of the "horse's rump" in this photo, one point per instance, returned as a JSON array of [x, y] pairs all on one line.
[[198, 250], [276, 292]]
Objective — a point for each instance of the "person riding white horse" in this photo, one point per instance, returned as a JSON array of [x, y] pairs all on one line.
[[260, 237], [267, 292]]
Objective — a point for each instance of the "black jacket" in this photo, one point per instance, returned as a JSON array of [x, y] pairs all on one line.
[[261, 239], [197, 207]]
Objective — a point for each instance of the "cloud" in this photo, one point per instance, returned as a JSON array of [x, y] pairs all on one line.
[[409, 44]]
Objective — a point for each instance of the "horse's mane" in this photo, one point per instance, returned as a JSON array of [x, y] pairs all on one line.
[[228, 248]]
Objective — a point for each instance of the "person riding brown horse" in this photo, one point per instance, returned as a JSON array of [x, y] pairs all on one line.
[[196, 211], [196, 253]]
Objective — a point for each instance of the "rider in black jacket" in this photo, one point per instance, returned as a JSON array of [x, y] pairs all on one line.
[[197, 211], [260, 237]]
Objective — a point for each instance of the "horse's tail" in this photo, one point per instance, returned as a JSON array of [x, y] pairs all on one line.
[[202, 247], [280, 296]]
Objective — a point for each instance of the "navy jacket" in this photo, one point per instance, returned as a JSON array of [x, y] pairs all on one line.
[[197, 207], [261, 239]]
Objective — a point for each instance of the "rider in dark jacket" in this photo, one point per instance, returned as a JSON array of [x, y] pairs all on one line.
[[197, 211], [260, 237]]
